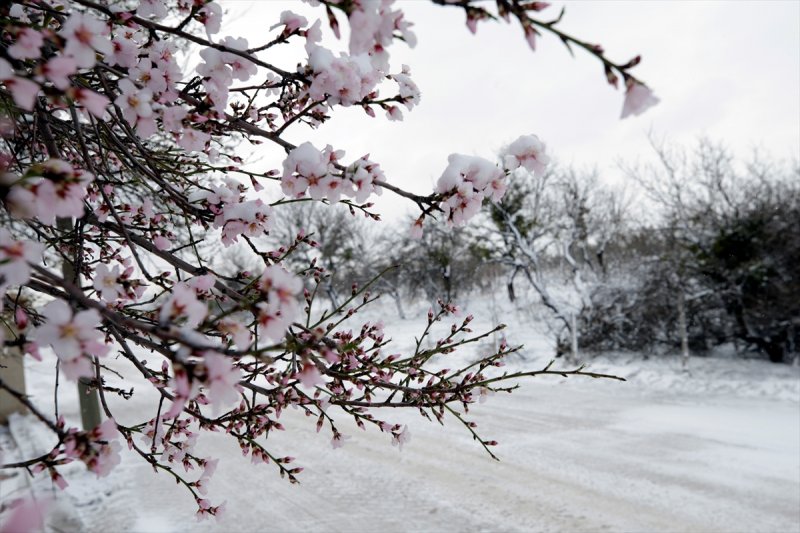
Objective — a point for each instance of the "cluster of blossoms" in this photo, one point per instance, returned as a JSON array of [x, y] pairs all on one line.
[[233, 213], [98, 449], [48, 190], [16, 258], [74, 338], [110, 159], [469, 180], [279, 306], [308, 170], [115, 285]]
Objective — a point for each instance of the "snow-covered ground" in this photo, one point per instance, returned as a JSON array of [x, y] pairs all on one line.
[[716, 448]]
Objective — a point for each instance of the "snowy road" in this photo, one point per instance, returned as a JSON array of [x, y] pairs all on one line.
[[576, 456]]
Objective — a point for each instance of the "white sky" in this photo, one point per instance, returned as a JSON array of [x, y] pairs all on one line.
[[727, 70]]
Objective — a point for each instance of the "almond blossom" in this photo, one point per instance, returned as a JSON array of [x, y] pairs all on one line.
[[23, 90], [280, 309], [183, 305], [221, 380], [98, 449], [291, 22], [58, 70], [16, 258], [137, 107], [50, 189], [85, 35], [28, 44], [74, 337], [638, 98], [106, 282]]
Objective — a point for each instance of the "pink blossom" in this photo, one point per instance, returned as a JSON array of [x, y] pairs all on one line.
[[638, 98], [291, 22], [58, 69], [364, 174], [106, 282], [161, 242], [278, 284], [530, 36], [221, 381], [172, 118], [310, 376], [23, 90], [252, 218], [193, 140], [465, 182], [94, 102], [28, 44], [85, 34], [399, 439], [211, 17], [306, 168], [272, 321], [407, 89], [416, 229], [338, 440], [125, 48], [26, 516], [148, 75], [59, 193], [73, 337], [16, 258], [342, 80], [137, 106], [237, 332], [20, 319], [183, 304], [241, 68], [202, 283]]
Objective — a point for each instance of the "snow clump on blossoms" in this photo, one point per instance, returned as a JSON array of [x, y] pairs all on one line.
[[365, 174], [527, 152], [466, 182], [307, 169], [74, 337], [221, 381]]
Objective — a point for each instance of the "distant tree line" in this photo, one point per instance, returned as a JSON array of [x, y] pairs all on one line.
[[707, 255]]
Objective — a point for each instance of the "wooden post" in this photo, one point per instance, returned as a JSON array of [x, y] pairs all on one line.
[[12, 373], [682, 328], [87, 396], [574, 337]]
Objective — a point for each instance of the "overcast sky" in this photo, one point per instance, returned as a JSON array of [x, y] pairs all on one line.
[[726, 70]]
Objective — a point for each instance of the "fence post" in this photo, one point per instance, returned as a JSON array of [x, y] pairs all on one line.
[[12, 373]]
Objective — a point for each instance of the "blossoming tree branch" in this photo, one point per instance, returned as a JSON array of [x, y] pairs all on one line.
[[118, 181]]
